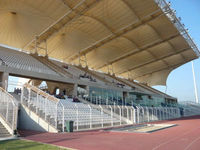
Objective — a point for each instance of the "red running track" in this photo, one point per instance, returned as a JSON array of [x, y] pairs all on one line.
[[185, 136]]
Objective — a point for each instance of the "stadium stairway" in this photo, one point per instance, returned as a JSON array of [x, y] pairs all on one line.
[[53, 66], [3, 131], [120, 80], [94, 74]]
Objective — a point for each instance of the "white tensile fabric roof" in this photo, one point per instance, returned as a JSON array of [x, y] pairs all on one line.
[[136, 38]]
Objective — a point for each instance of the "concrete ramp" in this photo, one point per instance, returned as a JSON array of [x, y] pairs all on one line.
[[30, 120]]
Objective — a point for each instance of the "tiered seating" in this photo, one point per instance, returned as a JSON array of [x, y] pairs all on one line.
[[115, 81], [73, 70], [53, 66], [85, 114], [99, 77], [23, 61], [190, 108], [110, 79], [77, 72]]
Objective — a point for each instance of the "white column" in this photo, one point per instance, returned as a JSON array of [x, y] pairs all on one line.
[[77, 119], [29, 97], [90, 116], [101, 115], [56, 115], [111, 115], [120, 115], [37, 103], [195, 85], [148, 116], [138, 114], [63, 118]]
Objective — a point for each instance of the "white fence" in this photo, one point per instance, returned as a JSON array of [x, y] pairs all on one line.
[[8, 109], [43, 104], [88, 116], [148, 114], [56, 112]]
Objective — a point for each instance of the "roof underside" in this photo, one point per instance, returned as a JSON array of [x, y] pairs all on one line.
[[136, 38]]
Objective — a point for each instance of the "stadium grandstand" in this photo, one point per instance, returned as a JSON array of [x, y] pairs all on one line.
[[91, 63]]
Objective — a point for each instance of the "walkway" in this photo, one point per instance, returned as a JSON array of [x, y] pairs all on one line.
[[185, 136]]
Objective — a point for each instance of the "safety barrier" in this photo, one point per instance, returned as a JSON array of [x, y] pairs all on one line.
[[89, 116], [57, 112], [148, 114], [8, 109], [43, 104]]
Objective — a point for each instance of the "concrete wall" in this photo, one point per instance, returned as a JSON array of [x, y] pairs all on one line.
[[36, 82], [69, 88], [29, 120]]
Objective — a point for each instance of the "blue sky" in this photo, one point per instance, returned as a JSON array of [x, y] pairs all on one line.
[[180, 81]]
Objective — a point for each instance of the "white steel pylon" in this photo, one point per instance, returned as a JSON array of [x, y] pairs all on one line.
[[195, 85]]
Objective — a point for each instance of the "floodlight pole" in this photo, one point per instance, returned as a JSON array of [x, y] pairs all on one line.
[[195, 85]]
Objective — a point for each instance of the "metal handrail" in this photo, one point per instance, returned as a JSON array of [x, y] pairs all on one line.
[[37, 90], [13, 99], [92, 116], [43, 101], [9, 113]]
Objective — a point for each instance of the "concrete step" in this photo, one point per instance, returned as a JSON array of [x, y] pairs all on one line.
[[3, 131], [4, 135]]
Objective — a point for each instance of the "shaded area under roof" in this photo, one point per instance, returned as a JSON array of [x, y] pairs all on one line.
[[138, 39]]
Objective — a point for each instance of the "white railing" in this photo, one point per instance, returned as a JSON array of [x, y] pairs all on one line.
[[85, 117], [139, 114], [120, 115], [43, 104], [149, 114], [96, 116], [8, 109], [88, 116]]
